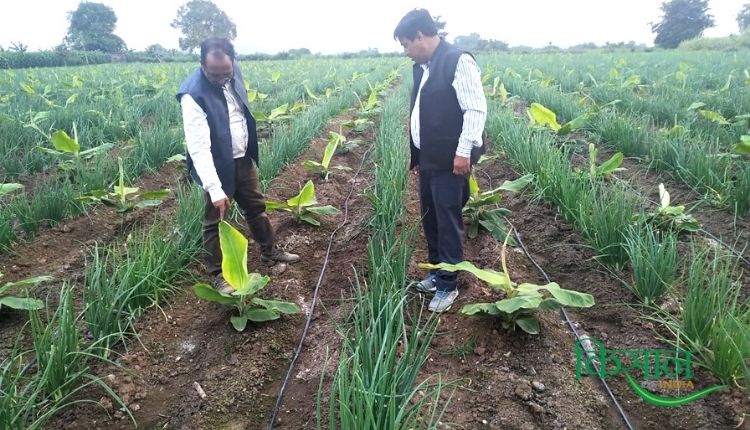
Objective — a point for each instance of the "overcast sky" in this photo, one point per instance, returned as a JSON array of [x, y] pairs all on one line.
[[331, 26]]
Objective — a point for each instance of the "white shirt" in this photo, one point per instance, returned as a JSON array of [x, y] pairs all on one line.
[[468, 85], [198, 138]]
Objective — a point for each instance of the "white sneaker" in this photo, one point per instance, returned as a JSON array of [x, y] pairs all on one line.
[[442, 301], [427, 285]]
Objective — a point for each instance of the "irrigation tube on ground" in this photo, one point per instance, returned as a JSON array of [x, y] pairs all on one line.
[[298, 349], [573, 329]]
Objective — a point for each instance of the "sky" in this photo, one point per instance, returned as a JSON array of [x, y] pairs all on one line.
[[334, 26]]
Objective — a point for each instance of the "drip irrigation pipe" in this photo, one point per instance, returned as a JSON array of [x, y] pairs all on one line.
[[566, 317], [578, 337], [298, 349]]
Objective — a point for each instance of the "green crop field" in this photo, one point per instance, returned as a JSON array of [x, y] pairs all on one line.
[[635, 193]]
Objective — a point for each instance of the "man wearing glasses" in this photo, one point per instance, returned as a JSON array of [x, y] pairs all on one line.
[[222, 146]]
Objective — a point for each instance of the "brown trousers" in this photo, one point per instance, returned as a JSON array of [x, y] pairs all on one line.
[[253, 207]]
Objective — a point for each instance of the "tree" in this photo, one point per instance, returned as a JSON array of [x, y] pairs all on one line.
[[91, 27], [743, 17], [156, 49], [474, 43], [18, 47], [440, 26], [469, 43], [199, 19], [300, 52], [681, 20]]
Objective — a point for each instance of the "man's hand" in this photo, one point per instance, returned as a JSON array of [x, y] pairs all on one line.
[[461, 165], [223, 206]]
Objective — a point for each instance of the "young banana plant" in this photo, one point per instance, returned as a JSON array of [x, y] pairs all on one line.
[[542, 116], [608, 167], [358, 125], [21, 303], [520, 301], [371, 106], [303, 206], [8, 188], [482, 212], [125, 199], [323, 168], [668, 217], [277, 114], [246, 285], [68, 151], [742, 148]]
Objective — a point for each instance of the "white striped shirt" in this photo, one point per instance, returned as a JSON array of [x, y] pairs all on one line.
[[198, 138], [468, 85]]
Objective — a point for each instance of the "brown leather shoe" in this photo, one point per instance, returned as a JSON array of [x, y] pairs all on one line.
[[221, 285], [279, 256]]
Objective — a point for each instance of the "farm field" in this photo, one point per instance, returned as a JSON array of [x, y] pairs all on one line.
[[636, 168]]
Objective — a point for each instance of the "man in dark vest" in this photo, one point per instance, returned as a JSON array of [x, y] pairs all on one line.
[[222, 147], [448, 110]]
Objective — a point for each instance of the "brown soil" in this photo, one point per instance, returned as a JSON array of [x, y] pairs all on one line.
[[501, 380], [191, 341], [516, 381], [61, 251]]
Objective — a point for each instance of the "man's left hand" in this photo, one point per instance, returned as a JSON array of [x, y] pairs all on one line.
[[461, 165]]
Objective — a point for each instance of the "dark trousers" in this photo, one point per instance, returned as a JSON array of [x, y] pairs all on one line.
[[443, 195], [253, 207]]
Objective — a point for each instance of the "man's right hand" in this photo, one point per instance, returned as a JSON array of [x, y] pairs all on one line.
[[223, 206]]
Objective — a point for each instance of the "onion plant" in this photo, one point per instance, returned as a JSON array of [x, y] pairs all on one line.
[[715, 320], [605, 221], [375, 384], [60, 360], [653, 258]]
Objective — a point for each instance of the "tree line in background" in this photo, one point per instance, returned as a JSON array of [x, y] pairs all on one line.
[[91, 40]]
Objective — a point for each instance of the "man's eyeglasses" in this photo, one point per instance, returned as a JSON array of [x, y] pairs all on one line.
[[218, 78]]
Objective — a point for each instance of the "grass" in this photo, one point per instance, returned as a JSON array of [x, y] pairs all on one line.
[[714, 322], [107, 315], [635, 125], [8, 234], [375, 384], [653, 258], [61, 363], [461, 350], [30, 398]]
